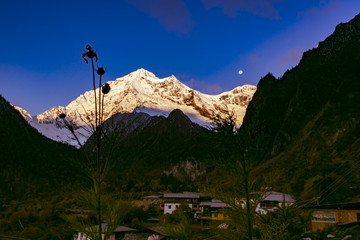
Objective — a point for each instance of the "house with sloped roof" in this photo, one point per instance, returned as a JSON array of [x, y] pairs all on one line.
[[271, 200], [212, 210], [171, 201], [345, 215], [118, 233]]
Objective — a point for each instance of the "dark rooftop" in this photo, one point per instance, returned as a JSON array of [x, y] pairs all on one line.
[[348, 206]]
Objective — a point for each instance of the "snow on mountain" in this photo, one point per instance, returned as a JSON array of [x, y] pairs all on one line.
[[141, 91], [23, 113]]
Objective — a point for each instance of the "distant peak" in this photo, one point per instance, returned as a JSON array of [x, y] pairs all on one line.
[[143, 72], [173, 78], [181, 124], [178, 114]]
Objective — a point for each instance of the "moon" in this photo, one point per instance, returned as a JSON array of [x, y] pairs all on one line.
[[241, 72]]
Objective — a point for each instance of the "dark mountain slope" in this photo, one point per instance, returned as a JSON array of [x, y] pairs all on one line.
[[31, 163], [310, 118], [155, 153], [159, 143]]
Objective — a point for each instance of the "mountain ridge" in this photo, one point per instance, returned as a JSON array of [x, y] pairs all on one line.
[[141, 91]]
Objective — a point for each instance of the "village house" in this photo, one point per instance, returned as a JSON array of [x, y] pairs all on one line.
[[171, 201], [340, 214], [272, 200], [118, 233], [149, 233], [213, 210]]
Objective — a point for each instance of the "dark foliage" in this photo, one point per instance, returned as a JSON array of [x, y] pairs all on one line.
[[36, 174], [31, 163]]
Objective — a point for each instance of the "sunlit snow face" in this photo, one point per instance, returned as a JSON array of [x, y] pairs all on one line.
[[240, 72]]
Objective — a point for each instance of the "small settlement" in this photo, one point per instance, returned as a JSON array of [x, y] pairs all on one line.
[[205, 209]]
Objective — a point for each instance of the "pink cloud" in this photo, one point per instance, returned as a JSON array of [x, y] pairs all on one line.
[[292, 56], [262, 8], [203, 86], [254, 58], [173, 15]]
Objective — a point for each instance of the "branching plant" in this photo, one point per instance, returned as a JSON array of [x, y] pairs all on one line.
[[97, 151]]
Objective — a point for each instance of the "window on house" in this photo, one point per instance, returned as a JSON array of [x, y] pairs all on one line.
[[323, 217], [269, 204], [169, 207]]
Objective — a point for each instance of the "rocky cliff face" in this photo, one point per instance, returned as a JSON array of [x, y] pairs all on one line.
[[142, 91], [311, 118]]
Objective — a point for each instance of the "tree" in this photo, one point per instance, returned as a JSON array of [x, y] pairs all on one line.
[[180, 225], [284, 223], [238, 152], [239, 156]]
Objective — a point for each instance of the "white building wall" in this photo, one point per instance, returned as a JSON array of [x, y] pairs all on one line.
[[261, 210], [82, 236], [170, 207]]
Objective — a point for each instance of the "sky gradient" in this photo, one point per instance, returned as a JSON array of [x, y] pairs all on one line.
[[204, 43]]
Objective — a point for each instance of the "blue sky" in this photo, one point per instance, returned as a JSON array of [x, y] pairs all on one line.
[[204, 43]]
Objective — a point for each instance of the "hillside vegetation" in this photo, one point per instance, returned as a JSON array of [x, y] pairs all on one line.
[[37, 176], [311, 120]]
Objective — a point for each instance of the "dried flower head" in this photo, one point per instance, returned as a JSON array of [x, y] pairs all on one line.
[[106, 88], [100, 71], [90, 53], [62, 115]]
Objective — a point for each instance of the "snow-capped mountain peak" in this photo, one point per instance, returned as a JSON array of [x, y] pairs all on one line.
[[141, 73], [142, 91]]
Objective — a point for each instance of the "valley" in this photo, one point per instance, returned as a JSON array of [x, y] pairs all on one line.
[[153, 140]]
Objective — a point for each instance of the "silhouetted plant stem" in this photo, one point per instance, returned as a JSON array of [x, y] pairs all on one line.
[[93, 74], [99, 178], [98, 162], [102, 108], [97, 174], [72, 131], [100, 119]]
